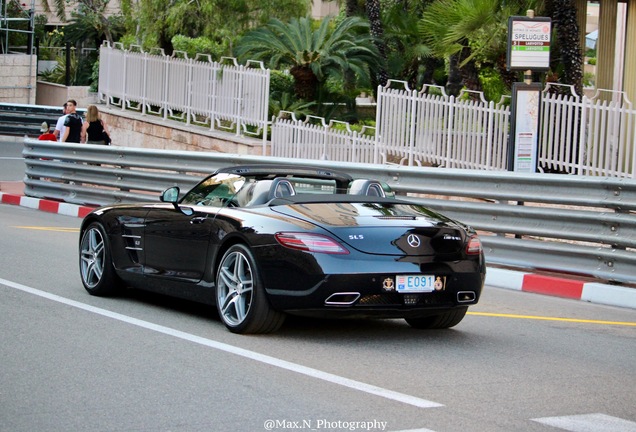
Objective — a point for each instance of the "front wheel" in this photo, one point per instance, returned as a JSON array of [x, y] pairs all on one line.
[[444, 320], [240, 296], [96, 266]]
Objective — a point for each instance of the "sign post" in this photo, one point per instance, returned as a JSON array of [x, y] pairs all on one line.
[[529, 50]]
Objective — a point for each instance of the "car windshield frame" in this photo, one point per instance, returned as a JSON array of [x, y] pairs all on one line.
[[240, 187], [215, 190]]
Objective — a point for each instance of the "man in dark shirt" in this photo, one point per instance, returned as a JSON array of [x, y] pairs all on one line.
[[73, 123]]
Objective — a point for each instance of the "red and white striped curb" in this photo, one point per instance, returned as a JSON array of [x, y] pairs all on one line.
[[592, 292], [46, 205], [501, 278]]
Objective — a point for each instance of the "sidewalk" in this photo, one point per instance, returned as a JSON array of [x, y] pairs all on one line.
[[559, 286], [12, 187]]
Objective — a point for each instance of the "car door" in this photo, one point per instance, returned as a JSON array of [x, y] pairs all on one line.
[[176, 242]]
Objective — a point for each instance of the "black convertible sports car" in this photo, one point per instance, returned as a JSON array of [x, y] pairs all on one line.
[[261, 242]]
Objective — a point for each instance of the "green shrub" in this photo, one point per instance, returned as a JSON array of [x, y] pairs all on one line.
[[492, 84], [128, 40], [200, 45], [80, 71], [281, 82], [94, 77], [284, 101], [361, 127]]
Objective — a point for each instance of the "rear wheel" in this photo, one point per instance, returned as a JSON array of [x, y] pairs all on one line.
[[240, 296], [444, 320], [96, 266]]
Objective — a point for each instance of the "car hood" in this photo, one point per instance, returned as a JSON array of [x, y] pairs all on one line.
[[384, 229]]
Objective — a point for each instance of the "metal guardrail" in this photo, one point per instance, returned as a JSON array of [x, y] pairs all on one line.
[[582, 225]]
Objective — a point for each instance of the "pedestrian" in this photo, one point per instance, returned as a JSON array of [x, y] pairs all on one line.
[[46, 134], [73, 123], [59, 126], [94, 129]]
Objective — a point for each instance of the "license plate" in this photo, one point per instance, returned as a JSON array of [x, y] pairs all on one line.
[[415, 283]]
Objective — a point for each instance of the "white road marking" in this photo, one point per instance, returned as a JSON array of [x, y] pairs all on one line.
[[589, 423], [273, 361]]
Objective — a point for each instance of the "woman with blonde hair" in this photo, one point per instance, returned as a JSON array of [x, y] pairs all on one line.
[[94, 130]]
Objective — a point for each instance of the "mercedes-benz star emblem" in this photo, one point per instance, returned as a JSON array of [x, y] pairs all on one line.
[[413, 240]]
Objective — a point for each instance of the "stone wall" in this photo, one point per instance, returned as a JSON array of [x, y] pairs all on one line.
[[17, 78], [50, 94], [132, 129]]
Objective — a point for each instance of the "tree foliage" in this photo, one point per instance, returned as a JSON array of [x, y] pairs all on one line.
[[377, 31], [472, 34], [313, 55], [408, 58], [411, 40], [90, 22], [568, 57], [155, 22]]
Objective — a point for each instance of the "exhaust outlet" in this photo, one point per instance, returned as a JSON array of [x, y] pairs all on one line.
[[466, 296], [342, 299]]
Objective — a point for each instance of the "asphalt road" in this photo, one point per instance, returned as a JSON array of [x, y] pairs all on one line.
[[142, 362]]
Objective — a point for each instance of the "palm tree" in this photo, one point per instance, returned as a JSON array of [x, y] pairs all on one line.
[[313, 55], [468, 32], [563, 14], [445, 26], [408, 58], [377, 31], [352, 8], [373, 13], [59, 6], [90, 22]]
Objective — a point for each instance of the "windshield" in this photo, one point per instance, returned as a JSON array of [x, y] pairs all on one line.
[[215, 191], [240, 190]]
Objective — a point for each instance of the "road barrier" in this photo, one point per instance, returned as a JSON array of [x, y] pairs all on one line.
[[577, 224]]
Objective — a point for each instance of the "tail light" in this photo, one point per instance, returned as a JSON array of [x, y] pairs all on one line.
[[473, 247], [310, 242]]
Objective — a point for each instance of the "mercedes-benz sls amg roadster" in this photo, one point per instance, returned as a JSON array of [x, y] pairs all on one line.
[[261, 242]]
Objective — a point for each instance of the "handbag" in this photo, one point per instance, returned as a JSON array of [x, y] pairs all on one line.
[[106, 138]]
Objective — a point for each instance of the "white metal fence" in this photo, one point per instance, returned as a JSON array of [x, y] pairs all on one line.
[[223, 96], [579, 135], [590, 136], [334, 141], [412, 128], [434, 129]]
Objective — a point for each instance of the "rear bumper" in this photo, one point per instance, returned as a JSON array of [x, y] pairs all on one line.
[[369, 296], [363, 285], [359, 313]]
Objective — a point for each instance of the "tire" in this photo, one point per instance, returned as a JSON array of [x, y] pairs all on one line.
[[96, 265], [444, 320], [240, 297]]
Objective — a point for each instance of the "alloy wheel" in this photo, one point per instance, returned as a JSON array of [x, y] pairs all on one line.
[[235, 288], [92, 257]]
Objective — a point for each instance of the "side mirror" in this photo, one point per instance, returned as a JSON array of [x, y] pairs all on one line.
[[170, 195]]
